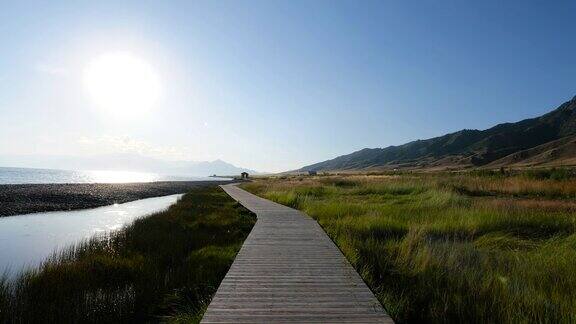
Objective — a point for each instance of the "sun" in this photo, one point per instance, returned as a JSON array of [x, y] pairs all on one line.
[[122, 84]]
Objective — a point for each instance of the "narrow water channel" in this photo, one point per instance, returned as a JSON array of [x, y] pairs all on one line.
[[27, 240]]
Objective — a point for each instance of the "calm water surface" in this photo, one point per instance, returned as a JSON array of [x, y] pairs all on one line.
[[26, 240], [27, 175]]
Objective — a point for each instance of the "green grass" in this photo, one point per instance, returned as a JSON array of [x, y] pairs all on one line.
[[164, 267], [432, 253], [557, 174]]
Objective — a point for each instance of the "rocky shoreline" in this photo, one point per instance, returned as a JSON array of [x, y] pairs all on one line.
[[16, 199]]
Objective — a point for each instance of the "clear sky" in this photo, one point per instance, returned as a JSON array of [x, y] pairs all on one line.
[[273, 85]]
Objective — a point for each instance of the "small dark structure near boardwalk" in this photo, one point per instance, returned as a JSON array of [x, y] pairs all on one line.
[[244, 175]]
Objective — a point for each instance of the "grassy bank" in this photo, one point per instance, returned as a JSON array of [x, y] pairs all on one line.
[[161, 268], [450, 247]]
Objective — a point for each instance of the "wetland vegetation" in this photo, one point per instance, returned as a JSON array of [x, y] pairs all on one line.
[[164, 267], [450, 247]]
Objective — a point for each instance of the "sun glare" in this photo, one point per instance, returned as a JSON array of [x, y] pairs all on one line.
[[103, 176], [122, 84]]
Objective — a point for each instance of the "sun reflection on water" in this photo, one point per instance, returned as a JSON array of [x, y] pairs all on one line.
[[103, 176]]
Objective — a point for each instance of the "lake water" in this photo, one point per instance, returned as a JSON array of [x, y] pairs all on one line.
[[26, 240], [27, 175]]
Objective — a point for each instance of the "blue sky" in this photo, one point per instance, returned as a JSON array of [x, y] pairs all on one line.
[[275, 85]]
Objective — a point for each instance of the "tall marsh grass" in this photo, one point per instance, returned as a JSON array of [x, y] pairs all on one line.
[[450, 248], [164, 267]]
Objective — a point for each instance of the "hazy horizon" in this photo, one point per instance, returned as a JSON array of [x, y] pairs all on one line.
[[272, 86], [123, 162]]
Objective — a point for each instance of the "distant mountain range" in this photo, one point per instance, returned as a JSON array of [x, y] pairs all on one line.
[[124, 162], [548, 140]]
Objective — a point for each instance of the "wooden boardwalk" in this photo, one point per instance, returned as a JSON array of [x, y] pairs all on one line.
[[288, 270]]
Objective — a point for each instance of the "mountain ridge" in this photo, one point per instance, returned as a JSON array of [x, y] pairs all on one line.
[[124, 162], [468, 148]]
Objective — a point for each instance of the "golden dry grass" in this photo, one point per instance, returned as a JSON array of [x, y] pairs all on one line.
[[448, 247]]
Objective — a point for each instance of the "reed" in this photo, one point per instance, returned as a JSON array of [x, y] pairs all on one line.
[[164, 267], [433, 252]]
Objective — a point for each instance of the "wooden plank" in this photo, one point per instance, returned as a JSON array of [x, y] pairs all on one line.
[[289, 271]]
